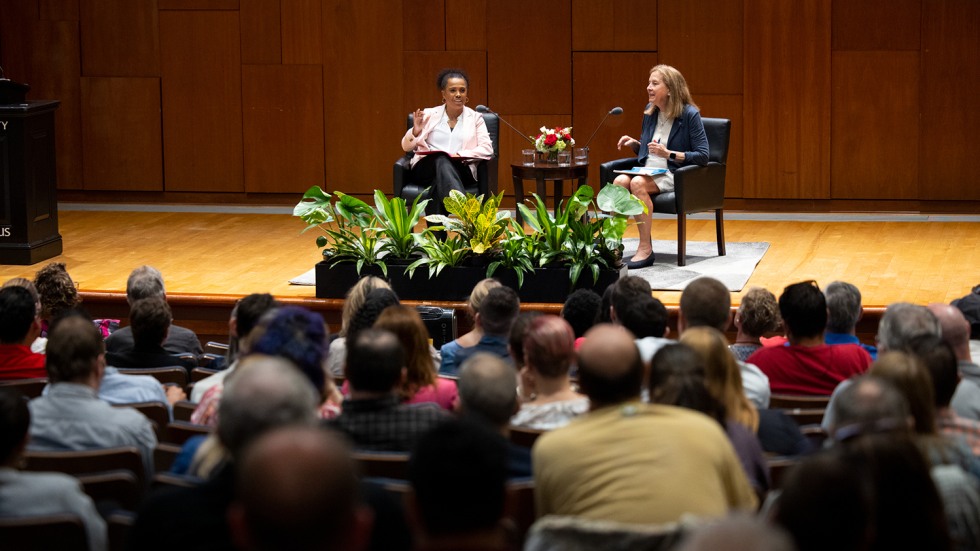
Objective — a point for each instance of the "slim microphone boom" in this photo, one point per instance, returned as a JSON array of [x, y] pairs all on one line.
[[613, 111], [484, 109]]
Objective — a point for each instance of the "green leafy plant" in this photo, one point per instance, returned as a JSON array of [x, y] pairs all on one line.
[[479, 224], [397, 224], [348, 225], [513, 253], [439, 255]]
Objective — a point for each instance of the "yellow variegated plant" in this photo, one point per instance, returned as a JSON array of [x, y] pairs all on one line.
[[480, 225]]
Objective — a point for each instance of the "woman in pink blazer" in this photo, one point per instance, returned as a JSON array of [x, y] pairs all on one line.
[[457, 132]]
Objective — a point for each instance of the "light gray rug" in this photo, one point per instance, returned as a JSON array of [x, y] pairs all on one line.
[[734, 269]]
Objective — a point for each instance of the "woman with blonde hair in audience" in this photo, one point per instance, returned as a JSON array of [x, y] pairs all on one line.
[[352, 303], [472, 338], [722, 375], [549, 401], [421, 383], [757, 315]]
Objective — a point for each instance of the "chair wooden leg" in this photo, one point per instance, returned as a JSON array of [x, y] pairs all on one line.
[[720, 230], [681, 239]]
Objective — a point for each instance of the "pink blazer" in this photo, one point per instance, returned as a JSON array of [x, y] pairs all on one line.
[[472, 129]]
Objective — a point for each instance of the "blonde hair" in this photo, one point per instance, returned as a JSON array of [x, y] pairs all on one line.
[[479, 293], [722, 375], [355, 298], [678, 94]]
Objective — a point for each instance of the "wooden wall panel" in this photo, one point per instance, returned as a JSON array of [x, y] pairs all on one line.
[[949, 116], [362, 93], [703, 40], [623, 77], [787, 99], [728, 107], [612, 25], [872, 151], [283, 121], [202, 100], [261, 30], [198, 4], [422, 68], [301, 43], [877, 24], [58, 10], [18, 20], [466, 25], [529, 56], [121, 134], [119, 38], [424, 25], [55, 75]]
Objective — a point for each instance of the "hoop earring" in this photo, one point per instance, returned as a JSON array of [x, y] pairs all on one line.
[[466, 100], [443, 100]]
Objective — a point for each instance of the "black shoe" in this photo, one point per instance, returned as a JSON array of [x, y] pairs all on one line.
[[637, 264]]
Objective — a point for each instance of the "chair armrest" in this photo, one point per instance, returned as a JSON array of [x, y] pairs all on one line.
[[606, 175], [400, 173], [486, 176], [700, 188]]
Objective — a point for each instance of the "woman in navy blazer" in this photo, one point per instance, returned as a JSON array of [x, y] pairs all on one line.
[[672, 136]]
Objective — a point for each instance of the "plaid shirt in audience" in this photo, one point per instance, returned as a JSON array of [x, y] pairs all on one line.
[[385, 424], [959, 428]]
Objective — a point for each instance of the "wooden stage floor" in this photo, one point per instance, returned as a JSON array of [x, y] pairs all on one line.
[[236, 254]]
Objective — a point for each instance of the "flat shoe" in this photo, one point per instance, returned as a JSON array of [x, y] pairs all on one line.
[[637, 264]]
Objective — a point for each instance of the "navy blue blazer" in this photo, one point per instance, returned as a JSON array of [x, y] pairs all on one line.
[[686, 134]]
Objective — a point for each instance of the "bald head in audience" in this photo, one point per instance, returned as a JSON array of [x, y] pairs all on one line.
[[705, 302], [609, 366], [870, 404], [954, 327], [298, 490]]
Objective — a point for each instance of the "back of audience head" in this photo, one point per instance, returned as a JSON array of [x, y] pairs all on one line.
[[902, 322], [626, 290], [458, 472], [843, 306], [150, 319], [479, 293], [804, 310], [375, 361], [56, 290], [26, 284], [498, 311], [245, 317], [604, 315], [145, 282], [722, 375], [758, 313], [549, 346], [869, 405], [356, 296], [610, 369], [910, 377], [487, 389], [265, 393], [645, 316], [705, 302], [406, 324], [19, 322], [297, 489], [300, 336], [954, 327], [75, 351], [677, 379], [940, 364], [580, 310], [518, 330], [738, 533], [969, 306], [375, 301], [15, 419]]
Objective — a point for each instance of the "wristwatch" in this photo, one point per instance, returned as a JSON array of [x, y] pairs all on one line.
[[673, 156]]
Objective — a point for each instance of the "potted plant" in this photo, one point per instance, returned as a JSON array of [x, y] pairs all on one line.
[[479, 224], [396, 226]]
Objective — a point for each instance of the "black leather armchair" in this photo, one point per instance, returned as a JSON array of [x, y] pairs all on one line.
[[486, 171], [696, 188]]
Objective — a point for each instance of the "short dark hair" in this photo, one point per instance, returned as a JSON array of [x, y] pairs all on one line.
[[804, 309], [250, 309], [375, 359], [706, 302], [442, 80], [645, 316], [498, 310], [364, 317], [518, 330], [150, 318], [458, 471], [17, 313], [940, 361], [604, 315], [300, 336], [626, 290], [74, 343], [843, 306], [15, 419], [580, 310]]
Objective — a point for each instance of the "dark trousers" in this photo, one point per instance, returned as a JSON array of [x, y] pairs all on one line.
[[443, 174]]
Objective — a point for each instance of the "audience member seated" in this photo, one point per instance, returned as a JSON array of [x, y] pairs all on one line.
[[71, 416], [147, 282], [352, 303], [459, 480], [721, 375], [472, 337], [632, 462], [266, 393], [844, 310], [26, 494], [548, 398], [807, 365], [955, 330], [970, 306], [19, 327], [644, 316], [580, 311], [244, 317], [40, 342], [486, 394], [756, 316], [706, 302], [738, 533], [374, 303], [677, 378], [297, 489], [494, 318], [374, 417], [515, 341], [149, 321], [57, 293]]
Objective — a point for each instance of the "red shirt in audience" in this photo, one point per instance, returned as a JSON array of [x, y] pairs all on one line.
[[814, 370], [18, 362]]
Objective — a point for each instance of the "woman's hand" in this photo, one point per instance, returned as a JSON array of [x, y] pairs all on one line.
[[627, 141], [418, 120], [658, 149]]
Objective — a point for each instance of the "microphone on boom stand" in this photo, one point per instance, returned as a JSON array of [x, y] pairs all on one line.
[[485, 109], [613, 111]]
